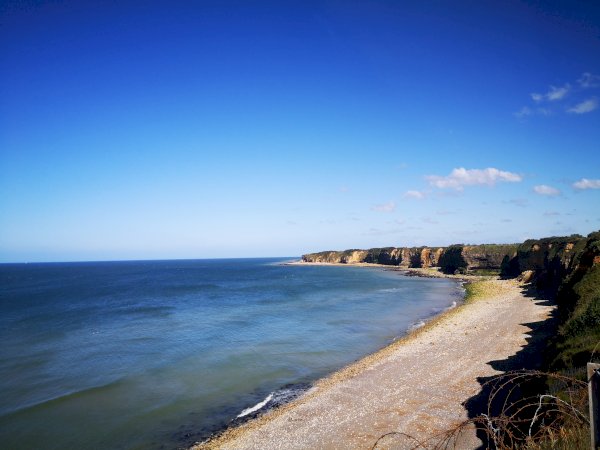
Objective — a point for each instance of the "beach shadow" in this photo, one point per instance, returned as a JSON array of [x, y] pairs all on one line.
[[492, 400]]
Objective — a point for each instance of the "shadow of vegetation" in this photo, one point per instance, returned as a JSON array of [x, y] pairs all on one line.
[[530, 357]]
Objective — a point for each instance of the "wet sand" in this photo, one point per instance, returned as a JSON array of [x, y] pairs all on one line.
[[417, 385]]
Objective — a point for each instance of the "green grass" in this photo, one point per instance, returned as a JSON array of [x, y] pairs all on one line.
[[474, 290], [485, 272]]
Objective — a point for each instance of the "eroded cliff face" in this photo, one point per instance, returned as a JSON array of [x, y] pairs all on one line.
[[389, 256], [472, 257], [487, 256], [547, 260], [335, 257]]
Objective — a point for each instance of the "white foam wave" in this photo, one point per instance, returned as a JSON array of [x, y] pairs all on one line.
[[256, 407], [417, 325]]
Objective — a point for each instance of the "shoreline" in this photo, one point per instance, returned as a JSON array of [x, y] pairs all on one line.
[[423, 272], [305, 388], [328, 399]]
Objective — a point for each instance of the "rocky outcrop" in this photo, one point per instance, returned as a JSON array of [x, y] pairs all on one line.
[[335, 257], [550, 260]]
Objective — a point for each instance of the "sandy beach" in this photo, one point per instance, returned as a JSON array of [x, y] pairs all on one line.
[[417, 386]]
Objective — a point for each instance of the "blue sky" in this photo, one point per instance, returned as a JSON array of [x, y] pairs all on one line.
[[135, 130]]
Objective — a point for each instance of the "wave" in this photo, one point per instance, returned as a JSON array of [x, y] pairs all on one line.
[[396, 289], [65, 397], [416, 325], [276, 398], [421, 323], [256, 407]]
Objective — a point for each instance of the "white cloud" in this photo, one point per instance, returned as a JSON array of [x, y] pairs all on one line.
[[584, 183], [555, 96], [385, 207], [544, 189], [526, 111], [558, 93], [461, 177], [589, 80], [523, 112], [537, 97], [555, 93], [417, 195], [584, 107]]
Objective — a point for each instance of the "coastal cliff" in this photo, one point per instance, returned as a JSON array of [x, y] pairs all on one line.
[[456, 258], [566, 269]]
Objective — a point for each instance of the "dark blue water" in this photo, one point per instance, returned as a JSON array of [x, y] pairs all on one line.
[[158, 354]]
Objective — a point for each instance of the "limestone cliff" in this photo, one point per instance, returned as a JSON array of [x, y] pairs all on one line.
[[451, 259], [550, 260]]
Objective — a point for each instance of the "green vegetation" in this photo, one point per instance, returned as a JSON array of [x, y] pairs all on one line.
[[578, 300], [452, 260], [382, 256], [568, 269], [474, 290], [485, 272], [565, 268]]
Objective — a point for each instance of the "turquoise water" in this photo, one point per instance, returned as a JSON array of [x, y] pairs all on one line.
[[159, 354]]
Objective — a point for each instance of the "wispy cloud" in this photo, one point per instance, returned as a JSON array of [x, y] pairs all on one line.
[[385, 207], [554, 100], [558, 93], [537, 97], [585, 106], [417, 195], [524, 112], [585, 183], [555, 93], [544, 189], [461, 177], [589, 80]]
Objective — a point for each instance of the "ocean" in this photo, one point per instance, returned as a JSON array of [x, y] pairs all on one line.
[[160, 354]]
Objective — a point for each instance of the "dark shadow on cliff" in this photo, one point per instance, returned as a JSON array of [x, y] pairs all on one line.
[[530, 357]]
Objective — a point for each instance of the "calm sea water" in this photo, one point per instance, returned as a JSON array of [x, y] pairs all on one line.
[[159, 354]]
